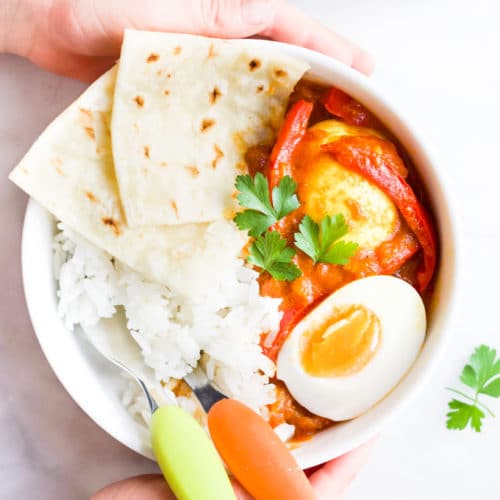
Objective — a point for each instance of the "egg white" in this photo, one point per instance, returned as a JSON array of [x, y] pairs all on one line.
[[402, 316]]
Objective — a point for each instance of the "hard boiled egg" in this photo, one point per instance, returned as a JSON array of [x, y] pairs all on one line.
[[329, 188], [354, 347]]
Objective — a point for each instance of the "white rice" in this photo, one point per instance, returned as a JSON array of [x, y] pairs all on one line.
[[172, 333]]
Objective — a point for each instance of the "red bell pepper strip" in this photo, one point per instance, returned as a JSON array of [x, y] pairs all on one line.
[[290, 318], [343, 106], [290, 134], [373, 158]]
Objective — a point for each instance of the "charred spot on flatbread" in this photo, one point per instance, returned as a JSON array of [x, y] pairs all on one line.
[[90, 132], [91, 196], [174, 207], [86, 112], [215, 94], [113, 224], [57, 164], [152, 57], [254, 64], [194, 171], [218, 155], [139, 100], [211, 51], [206, 124], [147, 152]]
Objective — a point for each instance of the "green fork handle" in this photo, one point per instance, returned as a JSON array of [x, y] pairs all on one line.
[[187, 457]]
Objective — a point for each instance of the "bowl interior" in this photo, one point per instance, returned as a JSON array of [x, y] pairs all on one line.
[[97, 386]]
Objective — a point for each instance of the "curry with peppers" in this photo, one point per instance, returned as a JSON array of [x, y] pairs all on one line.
[[410, 252]]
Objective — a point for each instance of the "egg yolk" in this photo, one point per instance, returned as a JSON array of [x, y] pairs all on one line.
[[342, 344]]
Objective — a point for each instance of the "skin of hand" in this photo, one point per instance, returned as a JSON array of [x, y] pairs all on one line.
[[330, 481], [82, 38]]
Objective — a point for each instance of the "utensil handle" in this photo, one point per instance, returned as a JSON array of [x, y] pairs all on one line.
[[255, 454], [187, 458]]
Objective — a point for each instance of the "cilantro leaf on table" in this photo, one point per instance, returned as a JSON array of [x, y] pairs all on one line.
[[462, 413], [482, 374], [260, 213], [319, 241], [271, 253], [483, 367]]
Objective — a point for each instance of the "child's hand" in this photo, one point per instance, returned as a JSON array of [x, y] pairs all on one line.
[[81, 38]]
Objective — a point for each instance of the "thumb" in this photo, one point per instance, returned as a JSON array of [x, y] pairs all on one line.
[[94, 27]]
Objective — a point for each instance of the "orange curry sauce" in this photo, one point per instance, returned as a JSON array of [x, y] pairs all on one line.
[[398, 255]]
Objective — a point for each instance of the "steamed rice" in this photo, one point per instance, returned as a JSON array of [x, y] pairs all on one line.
[[221, 330]]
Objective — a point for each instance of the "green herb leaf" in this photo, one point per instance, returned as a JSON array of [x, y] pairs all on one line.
[[319, 241], [284, 271], [271, 253], [492, 389], [340, 253], [284, 198], [483, 366], [468, 376], [307, 239], [255, 222], [254, 193], [461, 414], [482, 374], [254, 196]]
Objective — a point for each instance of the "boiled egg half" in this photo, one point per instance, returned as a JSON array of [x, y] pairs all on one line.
[[354, 347]]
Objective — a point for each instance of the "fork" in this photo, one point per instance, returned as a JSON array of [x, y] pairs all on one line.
[[186, 456], [188, 459]]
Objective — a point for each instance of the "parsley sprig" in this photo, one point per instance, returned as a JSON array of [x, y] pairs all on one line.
[[319, 241], [260, 213], [482, 374], [270, 252]]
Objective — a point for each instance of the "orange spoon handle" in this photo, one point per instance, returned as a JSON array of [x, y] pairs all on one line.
[[255, 455]]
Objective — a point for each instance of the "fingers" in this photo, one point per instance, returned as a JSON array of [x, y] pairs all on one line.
[[87, 69], [291, 25], [94, 27], [331, 481], [148, 487], [84, 68], [241, 494]]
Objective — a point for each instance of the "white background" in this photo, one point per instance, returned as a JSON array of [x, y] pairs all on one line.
[[438, 60]]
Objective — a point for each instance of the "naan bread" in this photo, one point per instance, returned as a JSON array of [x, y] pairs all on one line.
[[186, 110], [69, 170]]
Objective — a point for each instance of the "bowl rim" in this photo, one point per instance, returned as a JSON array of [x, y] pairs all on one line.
[[364, 90]]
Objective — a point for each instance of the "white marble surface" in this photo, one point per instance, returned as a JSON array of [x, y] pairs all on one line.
[[438, 59]]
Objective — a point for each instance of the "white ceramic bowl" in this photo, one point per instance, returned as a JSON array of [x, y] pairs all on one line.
[[95, 385]]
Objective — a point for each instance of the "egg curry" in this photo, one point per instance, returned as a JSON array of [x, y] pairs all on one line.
[[338, 328]]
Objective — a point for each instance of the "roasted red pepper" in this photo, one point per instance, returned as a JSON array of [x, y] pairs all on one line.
[[375, 159], [343, 106], [290, 318], [291, 133]]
